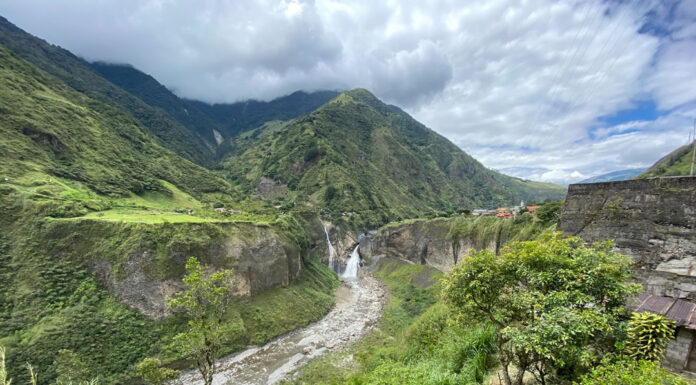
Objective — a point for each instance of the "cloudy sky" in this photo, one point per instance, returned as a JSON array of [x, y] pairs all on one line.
[[547, 90]]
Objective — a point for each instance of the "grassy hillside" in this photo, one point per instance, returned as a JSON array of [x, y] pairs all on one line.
[[678, 162], [83, 155], [78, 74], [360, 156]]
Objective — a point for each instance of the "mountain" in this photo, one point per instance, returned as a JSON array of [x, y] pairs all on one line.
[[359, 156], [79, 75], [614, 176], [239, 117], [51, 132], [156, 95], [677, 162]]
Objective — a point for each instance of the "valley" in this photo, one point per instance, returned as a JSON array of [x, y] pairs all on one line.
[[338, 241]]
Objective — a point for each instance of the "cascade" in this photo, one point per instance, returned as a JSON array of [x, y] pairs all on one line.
[[331, 250], [352, 265]]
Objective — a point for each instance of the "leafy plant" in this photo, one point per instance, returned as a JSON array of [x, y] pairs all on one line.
[[648, 335]]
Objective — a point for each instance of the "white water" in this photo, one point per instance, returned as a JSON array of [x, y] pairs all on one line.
[[352, 265], [331, 250]]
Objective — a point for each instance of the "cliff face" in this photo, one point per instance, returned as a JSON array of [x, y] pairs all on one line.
[[429, 243], [143, 264], [653, 221]]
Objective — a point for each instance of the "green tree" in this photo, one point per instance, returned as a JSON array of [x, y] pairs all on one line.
[[204, 303], [556, 303], [151, 370], [70, 368], [648, 335]]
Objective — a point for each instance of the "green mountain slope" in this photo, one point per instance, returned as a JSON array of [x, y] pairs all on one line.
[[358, 155], [78, 74], [155, 94], [677, 162], [239, 117], [61, 145]]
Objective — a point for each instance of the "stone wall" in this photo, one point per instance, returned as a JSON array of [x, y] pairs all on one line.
[[653, 221], [678, 349]]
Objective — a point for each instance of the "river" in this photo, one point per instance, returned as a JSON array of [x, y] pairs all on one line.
[[359, 304]]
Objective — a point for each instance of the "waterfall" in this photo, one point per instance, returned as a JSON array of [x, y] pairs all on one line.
[[352, 265], [331, 250]]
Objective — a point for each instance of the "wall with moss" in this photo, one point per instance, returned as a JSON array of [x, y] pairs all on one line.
[[650, 220]]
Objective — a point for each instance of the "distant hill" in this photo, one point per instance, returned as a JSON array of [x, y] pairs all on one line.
[[677, 162], [614, 176], [79, 75], [358, 155], [236, 118], [155, 94]]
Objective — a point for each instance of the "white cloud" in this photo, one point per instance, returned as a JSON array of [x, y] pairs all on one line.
[[519, 85]]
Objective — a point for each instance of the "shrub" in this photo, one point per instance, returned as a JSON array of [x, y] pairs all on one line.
[[625, 371]]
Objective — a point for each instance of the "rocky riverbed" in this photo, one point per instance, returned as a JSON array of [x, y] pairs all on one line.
[[359, 305]]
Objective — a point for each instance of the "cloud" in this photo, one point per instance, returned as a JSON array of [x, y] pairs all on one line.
[[519, 85]]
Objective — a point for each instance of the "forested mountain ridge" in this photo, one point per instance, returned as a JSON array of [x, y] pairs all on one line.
[[150, 91], [358, 155]]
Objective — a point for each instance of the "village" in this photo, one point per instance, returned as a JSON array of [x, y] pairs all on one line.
[[506, 212]]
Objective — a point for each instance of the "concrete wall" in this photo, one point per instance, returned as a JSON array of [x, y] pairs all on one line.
[[653, 221], [678, 349]]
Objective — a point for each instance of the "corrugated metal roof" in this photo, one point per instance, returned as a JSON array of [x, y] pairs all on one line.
[[681, 311]]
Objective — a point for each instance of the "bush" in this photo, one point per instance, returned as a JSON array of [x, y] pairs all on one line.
[[625, 371]]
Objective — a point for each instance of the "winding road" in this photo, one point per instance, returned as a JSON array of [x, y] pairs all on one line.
[[359, 304]]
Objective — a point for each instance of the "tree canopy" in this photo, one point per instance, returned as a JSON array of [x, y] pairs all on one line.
[[557, 304]]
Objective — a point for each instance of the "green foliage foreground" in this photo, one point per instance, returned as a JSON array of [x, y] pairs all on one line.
[[557, 304]]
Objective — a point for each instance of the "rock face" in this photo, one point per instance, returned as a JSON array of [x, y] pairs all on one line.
[[148, 261], [427, 243], [653, 221]]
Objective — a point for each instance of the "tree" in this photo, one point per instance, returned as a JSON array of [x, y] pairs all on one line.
[[556, 303], [204, 303], [648, 335], [151, 370]]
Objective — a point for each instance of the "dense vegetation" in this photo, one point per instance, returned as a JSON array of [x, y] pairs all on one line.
[[678, 162]]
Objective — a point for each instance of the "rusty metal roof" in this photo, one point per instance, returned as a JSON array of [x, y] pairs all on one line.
[[681, 311]]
